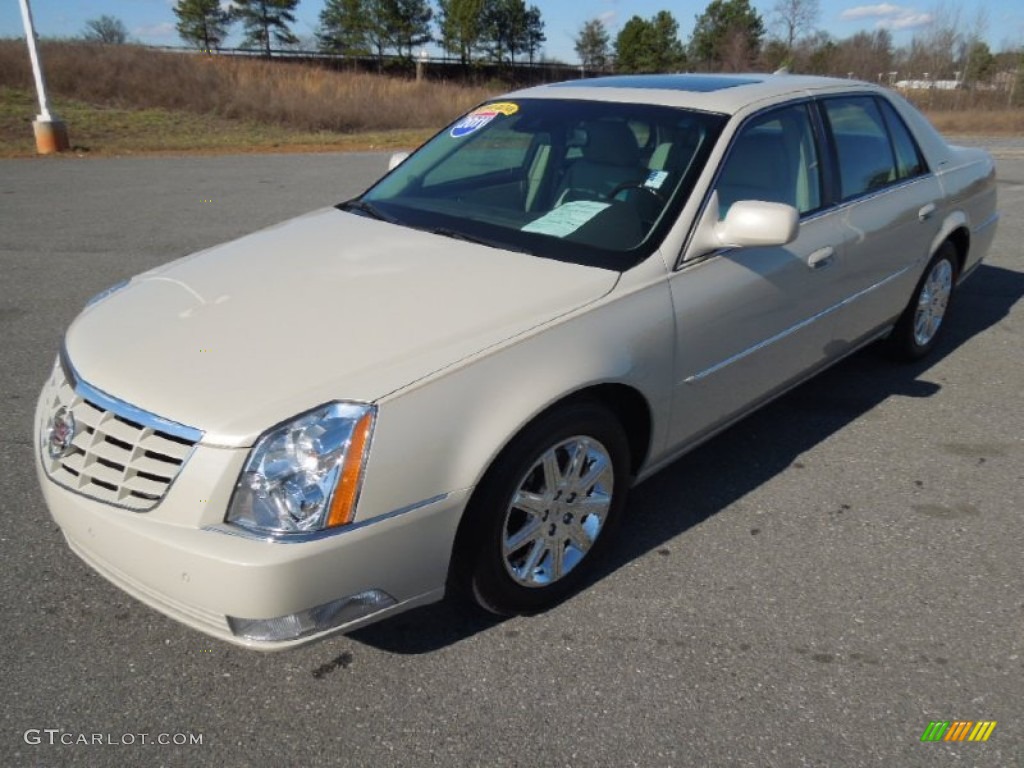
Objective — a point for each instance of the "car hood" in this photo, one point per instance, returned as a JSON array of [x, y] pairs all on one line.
[[331, 305]]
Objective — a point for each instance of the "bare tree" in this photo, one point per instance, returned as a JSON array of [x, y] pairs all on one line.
[[975, 56], [737, 53], [106, 29], [864, 55], [793, 18], [934, 50]]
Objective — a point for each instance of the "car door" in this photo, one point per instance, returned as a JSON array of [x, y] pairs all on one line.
[[749, 321], [888, 218]]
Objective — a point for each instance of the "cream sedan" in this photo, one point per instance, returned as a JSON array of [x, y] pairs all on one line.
[[453, 380]]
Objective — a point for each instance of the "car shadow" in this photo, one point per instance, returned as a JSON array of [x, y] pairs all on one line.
[[710, 478]]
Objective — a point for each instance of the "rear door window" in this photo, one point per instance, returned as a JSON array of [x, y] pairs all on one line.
[[867, 161]]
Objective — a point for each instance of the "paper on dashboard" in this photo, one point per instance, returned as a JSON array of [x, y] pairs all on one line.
[[567, 218]]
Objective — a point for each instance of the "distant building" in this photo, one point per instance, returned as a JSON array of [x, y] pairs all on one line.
[[925, 85]]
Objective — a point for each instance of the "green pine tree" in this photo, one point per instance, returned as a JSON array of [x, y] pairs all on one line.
[[266, 21], [202, 23]]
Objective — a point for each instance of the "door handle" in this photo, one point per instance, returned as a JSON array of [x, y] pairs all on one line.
[[821, 258], [926, 212]]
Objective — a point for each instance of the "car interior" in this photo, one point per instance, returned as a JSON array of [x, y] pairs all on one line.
[[564, 170]]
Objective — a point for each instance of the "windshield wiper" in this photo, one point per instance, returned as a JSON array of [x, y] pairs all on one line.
[[457, 235], [362, 206]]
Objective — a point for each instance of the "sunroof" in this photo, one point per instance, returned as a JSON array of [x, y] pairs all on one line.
[[695, 83]]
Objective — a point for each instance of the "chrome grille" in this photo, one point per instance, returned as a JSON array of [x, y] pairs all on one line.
[[119, 454]]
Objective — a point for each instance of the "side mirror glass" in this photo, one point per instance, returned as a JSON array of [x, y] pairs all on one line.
[[397, 159]]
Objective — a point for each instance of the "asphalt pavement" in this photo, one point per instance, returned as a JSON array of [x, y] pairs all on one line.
[[811, 588]]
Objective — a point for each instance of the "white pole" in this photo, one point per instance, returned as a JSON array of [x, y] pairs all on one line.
[[45, 115]]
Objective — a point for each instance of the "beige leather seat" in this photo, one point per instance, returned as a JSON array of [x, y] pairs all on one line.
[[610, 157]]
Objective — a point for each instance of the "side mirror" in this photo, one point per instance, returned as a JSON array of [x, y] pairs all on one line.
[[397, 159], [751, 223]]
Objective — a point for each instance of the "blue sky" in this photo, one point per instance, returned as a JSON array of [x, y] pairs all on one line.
[[152, 21]]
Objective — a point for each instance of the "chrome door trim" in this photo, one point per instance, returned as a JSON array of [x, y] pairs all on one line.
[[792, 329], [681, 450]]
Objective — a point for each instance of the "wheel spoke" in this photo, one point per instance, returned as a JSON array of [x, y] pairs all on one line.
[[552, 475], [556, 551], [596, 469], [530, 564], [578, 537], [920, 323], [528, 533], [596, 503], [531, 503], [580, 451]]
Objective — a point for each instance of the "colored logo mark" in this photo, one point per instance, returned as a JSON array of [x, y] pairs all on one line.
[[472, 123], [958, 730]]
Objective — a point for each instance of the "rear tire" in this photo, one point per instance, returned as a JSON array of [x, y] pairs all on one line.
[[545, 512], [920, 326]]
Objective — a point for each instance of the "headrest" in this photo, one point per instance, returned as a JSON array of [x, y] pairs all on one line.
[[757, 161], [611, 143]]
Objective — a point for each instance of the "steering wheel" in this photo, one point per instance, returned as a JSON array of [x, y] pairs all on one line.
[[637, 185]]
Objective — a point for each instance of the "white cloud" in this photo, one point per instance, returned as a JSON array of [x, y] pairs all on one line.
[[908, 21], [888, 16], [608, 17], [872, 11], [164, 29]]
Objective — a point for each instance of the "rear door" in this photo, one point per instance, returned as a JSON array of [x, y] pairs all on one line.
[[888, 217]]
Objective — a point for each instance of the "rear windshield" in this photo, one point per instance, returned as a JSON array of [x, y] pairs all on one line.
[[596, 183]]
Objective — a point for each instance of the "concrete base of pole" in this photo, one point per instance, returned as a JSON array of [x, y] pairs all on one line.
[[51, 136]]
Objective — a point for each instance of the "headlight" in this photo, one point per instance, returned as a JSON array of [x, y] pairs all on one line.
[[304, 475]]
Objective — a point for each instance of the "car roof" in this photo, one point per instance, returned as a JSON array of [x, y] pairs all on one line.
[[724, 93]]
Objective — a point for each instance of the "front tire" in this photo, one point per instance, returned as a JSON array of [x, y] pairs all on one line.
[[545, 512], [918, 329]]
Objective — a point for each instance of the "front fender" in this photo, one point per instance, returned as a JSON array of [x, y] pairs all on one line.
[[442, 434]]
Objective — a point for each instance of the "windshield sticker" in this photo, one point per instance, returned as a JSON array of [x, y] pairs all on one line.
[[478, 118], [566, 219], [655, 179], [472, 123], [505, 107]]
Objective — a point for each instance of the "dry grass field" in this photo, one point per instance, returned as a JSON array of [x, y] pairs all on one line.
[[978, 122], [122, 99], [294, 95]]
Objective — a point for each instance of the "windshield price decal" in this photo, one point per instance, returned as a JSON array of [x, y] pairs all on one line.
[[478, 118]]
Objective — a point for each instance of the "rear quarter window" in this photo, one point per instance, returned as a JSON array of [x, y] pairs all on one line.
[[909, 161]]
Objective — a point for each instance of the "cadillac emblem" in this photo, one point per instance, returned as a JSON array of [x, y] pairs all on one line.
[[60, 433]]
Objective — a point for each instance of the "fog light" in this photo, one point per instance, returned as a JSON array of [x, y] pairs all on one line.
[[314, 620]]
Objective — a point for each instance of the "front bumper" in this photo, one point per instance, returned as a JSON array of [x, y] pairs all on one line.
[[177, 560]]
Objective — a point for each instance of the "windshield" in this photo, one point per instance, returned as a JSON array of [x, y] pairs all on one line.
[[596, 183]]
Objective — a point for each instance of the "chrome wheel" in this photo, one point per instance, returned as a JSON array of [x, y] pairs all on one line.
[[557, 512], [932, 302]]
